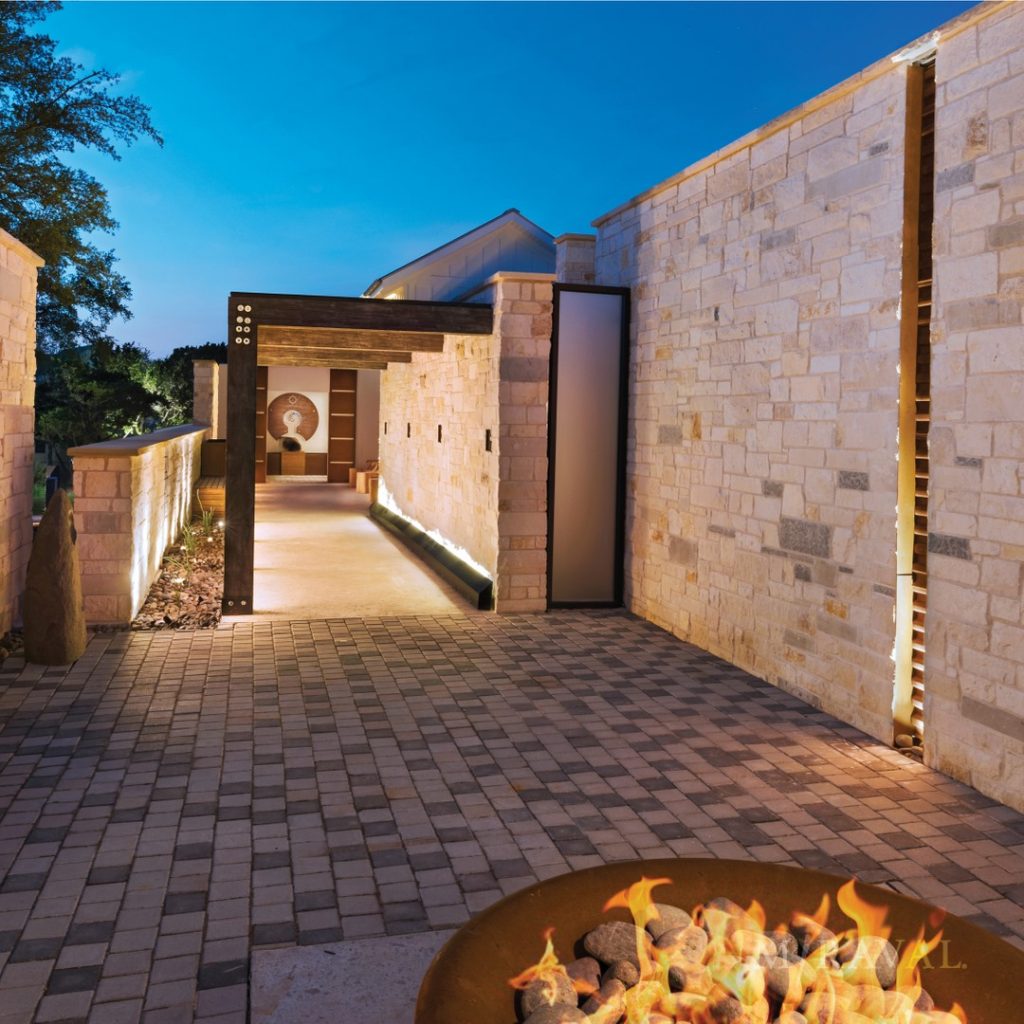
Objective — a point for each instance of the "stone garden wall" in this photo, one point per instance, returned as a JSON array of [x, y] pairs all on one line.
[[491, 504], [132, 497], [975, 630], [764, 400], [18, 267]]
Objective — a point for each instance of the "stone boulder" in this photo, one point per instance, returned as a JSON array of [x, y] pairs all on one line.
[[54, 610]]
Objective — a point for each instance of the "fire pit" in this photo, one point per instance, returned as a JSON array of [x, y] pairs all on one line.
[[468, 982]]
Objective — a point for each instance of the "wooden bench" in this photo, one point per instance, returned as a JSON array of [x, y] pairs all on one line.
[[210, 494]]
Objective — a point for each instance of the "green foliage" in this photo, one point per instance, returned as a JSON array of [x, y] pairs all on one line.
[[206, 521], [51, 106], [189, 540], [94, 394], [173, 380]]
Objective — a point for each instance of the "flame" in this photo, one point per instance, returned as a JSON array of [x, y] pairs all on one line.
[[837, 983], [543, 969], [870, 919]]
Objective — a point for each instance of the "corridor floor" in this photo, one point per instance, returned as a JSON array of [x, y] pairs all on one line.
[[318, 555], [175, 800]]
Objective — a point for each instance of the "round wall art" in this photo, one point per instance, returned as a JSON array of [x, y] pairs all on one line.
[[292, 415]]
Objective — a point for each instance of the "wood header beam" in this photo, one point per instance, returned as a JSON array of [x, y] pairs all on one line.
[[333, 363], [300, 355], [331, 339], [366, 314]]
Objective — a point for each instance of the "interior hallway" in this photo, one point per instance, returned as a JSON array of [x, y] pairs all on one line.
[[319, 556]]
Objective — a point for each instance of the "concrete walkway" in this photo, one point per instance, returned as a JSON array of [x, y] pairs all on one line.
[[319, 556], [175, 803]]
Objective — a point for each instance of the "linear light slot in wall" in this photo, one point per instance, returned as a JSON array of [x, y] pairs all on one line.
[[408, 430], [439, 433], [915, 403], [488, 444]]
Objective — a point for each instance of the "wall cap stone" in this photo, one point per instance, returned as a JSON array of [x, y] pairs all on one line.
[[136, 443], [9, 241], [881, 67], [507, 275], [575, 237]]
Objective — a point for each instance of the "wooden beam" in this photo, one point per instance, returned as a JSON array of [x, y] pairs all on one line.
[[351, 340], [240, 482], [365, 314], [339, 355], [332, 362]]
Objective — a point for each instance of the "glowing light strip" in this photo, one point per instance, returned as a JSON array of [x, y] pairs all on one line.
[[385, 498]]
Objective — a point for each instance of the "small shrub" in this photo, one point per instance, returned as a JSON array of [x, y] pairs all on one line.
[[189, 540]]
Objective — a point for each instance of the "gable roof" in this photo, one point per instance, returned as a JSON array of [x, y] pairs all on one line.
[[510, 218]]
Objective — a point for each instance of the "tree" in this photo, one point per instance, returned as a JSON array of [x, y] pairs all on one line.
[[50, 106], [172, 379]]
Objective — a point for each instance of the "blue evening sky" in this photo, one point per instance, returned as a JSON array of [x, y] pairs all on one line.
[[313, 147]]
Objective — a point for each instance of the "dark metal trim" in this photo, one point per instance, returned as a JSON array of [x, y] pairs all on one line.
[[623, 437]]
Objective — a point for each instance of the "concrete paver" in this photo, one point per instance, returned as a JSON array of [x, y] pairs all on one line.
[[175, 801]]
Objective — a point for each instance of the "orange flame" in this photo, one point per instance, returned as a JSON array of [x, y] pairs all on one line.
[[870, 919], [547, 965]]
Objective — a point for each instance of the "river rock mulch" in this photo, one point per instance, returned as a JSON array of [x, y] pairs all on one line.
[[187, 593]]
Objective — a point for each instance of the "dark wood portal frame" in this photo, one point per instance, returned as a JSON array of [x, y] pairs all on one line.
[[311, 330]]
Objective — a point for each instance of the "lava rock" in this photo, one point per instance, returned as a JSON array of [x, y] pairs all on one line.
[[54, 610], [553, 989], [586, 970], [925, 1003], [785, 943], [689, 942], [614, 940], [557, 1015], [868, 958], [811, 937], [669, 917], [727, 1011], [609, 990], [625, 971], [781, 975]]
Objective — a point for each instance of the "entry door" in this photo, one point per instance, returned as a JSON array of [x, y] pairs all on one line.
[[587, 445]]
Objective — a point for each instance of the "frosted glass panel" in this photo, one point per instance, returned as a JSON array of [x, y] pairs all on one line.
[[583, 550]]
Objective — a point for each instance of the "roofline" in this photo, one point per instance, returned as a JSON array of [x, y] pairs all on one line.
[[452, 241], [946, 31]]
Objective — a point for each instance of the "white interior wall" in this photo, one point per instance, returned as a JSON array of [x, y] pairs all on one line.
[[367, 416], [312, 381]]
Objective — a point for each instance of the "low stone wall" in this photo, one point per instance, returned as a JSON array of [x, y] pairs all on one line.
[[490, 504], [132, 497], [18, 268]]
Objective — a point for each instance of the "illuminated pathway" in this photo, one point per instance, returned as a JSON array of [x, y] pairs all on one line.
[[176, 801], [319, 556]]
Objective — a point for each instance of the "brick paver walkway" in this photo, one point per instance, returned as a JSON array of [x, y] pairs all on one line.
[[172, 801]]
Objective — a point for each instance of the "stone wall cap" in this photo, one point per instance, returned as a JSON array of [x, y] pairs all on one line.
[[507, 275], [575, 237], [7, 239], [881, 67], [136, 443]]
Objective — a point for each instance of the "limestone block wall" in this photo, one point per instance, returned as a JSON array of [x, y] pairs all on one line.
[[210, 395], [974, 667], [18, 267], [763, 404], [132, 497], [491, 504], [574, 258]]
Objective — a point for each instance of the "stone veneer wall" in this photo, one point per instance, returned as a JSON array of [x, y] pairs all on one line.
[[206, 394], [18, 268], [974, 667], [491, 504], [763, 436], [762, 452], [132, 497]]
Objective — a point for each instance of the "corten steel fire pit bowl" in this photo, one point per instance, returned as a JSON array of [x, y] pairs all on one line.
[[467, 983]]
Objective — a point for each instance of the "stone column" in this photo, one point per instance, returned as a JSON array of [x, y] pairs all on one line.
[[18, 268], [522, 323], [205, 400], [575, 258]]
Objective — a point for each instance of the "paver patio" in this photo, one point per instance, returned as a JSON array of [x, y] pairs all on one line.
[[173, 801]]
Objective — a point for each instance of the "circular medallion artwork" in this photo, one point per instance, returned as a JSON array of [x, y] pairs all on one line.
[[292, 414]]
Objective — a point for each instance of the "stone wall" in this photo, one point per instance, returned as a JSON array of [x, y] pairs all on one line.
[[764, 387], [491, 505], [18, 267], [764, 399], [210, 395], [132, 497], [974, 669], [574, 259]]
